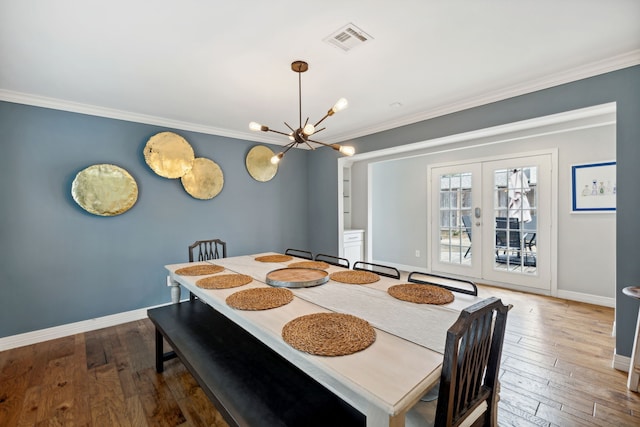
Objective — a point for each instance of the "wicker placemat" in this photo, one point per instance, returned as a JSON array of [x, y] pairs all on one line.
[[329, 334], [199, 270], [355, 277], [260, 298], [274, 258], [320, 265], [224, 281], [421, 294]]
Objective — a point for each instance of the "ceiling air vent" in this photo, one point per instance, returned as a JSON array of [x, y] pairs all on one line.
[[348, 37]]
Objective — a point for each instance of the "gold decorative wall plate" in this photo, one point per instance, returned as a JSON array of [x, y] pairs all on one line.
[[105, 190], [259, 164], [205, 180], [169, 155]]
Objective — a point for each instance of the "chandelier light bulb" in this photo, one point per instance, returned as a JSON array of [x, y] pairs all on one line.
[[255, 126], [309, 129], [276, 159], [340, 105], [347, 150]]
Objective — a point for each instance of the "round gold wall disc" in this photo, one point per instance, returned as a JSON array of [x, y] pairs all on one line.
[[204, 180], [104, 190], [169, 155], [259, 164]]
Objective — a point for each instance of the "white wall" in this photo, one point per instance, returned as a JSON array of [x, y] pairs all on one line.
[[397, 184]]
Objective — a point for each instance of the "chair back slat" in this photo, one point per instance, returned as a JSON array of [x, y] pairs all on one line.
[[299, 253], [445, 282], [332, 259], [383, 270]]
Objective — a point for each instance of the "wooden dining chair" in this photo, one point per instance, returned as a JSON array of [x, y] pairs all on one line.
[[468, 393], [453, 284], [333, 260], [299, 253], [380, 269], [204, 250]]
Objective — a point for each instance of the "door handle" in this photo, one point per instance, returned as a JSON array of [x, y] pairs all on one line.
[[477, 212]]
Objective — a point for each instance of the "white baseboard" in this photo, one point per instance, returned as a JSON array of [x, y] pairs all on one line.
[[47, 334], [588, 298], [621, 363]]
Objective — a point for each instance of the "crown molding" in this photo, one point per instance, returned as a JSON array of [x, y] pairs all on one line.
[[593, 69], [618, 62], [111, 113]]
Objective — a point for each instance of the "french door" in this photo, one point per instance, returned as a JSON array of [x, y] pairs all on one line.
[[492, 220]]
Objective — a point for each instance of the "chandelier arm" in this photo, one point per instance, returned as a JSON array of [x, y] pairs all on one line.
[[309, 145], [287, 125], [288, 147], [334, 146], [277, 131], [322, 119], [319, 130]]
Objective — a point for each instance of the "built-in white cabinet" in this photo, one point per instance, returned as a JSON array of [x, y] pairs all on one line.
[[353, 245]]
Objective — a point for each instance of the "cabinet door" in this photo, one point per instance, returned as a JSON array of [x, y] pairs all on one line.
[[353, 252]]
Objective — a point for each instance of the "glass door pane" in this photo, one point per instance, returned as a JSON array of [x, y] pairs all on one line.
[[515, 219], [455, 203], [452, 221]]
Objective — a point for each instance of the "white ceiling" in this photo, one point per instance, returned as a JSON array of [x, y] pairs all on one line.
[[214, 66]]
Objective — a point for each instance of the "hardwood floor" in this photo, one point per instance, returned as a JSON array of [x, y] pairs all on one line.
[[556, 371]]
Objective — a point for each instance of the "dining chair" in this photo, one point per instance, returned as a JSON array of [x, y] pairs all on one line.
[[468, 389], [530, 229], [299, 253], [450, 283], [380, 269], [204, 250], [466, 221], [509, 240], [334, 260]]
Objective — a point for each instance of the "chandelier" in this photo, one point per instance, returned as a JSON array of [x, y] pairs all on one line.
[[302, 134]]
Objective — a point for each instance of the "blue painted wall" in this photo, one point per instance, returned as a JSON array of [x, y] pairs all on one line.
[[622, 87], [60, 264]]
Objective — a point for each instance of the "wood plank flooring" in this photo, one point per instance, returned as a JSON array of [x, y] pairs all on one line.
[[556, 371]]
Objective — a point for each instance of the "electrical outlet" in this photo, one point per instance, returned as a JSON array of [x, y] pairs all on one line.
[[417, 253]]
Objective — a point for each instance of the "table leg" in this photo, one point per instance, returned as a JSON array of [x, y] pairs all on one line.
[[634, 366], [159, 352], [175, 290]]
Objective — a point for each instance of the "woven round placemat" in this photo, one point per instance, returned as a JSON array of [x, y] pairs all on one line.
[[421, 294], [224, 281], [354, 277], [274, 258], [199, 270], [320, 265], [329, 334], [260, 298]]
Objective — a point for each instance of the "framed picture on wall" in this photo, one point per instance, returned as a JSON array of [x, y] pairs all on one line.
[[593, 187]]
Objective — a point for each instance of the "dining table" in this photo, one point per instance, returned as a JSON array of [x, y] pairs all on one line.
[[384, 380]]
